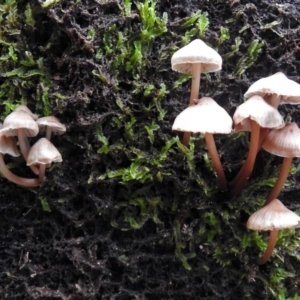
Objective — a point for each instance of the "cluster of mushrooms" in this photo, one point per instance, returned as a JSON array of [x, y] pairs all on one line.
[[23, 124], [258, 115]]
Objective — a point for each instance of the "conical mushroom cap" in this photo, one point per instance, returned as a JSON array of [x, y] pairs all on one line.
[[8, 145], [19, 119], [51, 122], [258, 110], [194, 53], [284, 142], [205, 116], [274, 216], [43, 152], [277, 84]]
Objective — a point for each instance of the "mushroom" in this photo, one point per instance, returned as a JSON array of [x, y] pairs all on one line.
[[276, 89], [195, 58], [207, 117], [50, 124], [273, 217], [43, 152], [8, 146], [284, 142], [27, 110], [253, 115]]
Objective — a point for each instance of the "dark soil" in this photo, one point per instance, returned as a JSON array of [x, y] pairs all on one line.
[[169, 238]]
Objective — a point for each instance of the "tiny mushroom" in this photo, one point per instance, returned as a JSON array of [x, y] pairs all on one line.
[[284, 142], [273, 217], [50, 124], [8, 146], [276, 89], [195, 58], [253, 115], [207, 117], [43, 152]]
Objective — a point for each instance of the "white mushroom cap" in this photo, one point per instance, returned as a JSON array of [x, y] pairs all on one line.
[[43, 152], [258, 110], [205, 116], [53, 123], [8, 145], [19, 119], [284, 142], [274, 216], [194, 53], [277, 84], [26, 109]]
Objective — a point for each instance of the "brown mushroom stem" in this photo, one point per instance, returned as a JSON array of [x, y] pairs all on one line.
[[273, 100], [196, 75], [48, 133], [42, 169], [28, 182], [213, 153], [284, 172], [271, 245], [240, 180], [25, 147]]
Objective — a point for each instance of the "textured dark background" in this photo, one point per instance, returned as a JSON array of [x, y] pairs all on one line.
[[169, 234]]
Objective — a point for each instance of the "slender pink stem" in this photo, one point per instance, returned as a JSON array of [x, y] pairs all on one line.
[[242, 177], [271, 245], [14, 178], [213, 153], [196, 75], [42, 169], [284, 172]]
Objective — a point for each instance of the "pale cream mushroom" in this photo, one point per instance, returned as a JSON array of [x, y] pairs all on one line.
[[195, 58], [43, 152], [50, 124], [272, 217], [207, 117], [27, 110], [276, 89], [8, 146], [284, 142], [254, 115]]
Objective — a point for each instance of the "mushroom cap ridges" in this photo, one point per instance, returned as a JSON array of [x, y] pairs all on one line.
[[205, 116], [284, 142], [277, 84], [258, 110], [19, 119], [52, 122], [43, 152], [193, 53], [274, 216]]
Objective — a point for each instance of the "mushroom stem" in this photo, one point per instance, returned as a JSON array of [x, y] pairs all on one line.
[[25, 147], [42, 169], [213, 153], [273, 100], [196, 75], [284, 172], [14, 178], [240, 180], [271, 245], [48, 133]]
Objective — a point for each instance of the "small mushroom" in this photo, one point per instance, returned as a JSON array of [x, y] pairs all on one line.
[[8, 146], [253, 115], [284, 142], [50, 124], [273, 217], [207, 117], [43, 152], [195, 58]]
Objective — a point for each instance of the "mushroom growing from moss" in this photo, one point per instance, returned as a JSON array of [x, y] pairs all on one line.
[[43, 152], [50, 124], [284, 142], [273, 217], [208, 118], [253, 115], [195, 58]]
